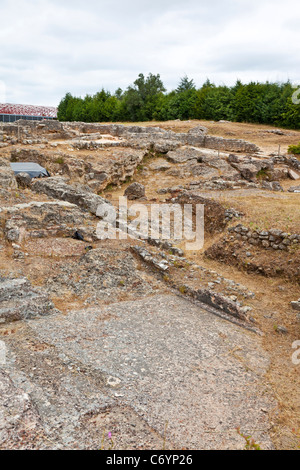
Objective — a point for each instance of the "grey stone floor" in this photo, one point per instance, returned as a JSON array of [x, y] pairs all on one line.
[[158, 366]]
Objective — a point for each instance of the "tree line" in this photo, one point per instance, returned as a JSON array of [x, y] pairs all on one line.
[[148, 100]]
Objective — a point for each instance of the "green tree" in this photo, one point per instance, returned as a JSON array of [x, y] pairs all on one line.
[[141, 99], [64, 112], [185, 85]]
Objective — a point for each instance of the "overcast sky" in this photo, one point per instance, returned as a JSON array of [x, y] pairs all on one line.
[[50, 47]]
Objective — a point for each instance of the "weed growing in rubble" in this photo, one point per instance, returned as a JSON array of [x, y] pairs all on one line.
[[60, 161], [263, 174], [250, 442], [165, 435], [111, 442]]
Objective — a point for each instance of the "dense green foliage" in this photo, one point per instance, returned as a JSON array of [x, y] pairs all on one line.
[[147, 100]]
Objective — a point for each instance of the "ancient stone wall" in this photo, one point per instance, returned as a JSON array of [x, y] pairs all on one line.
[[272, 239]]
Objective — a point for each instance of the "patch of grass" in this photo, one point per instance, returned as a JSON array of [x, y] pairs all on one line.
[[59, 161], [263, 174], [128, 180], [294, 149], [179, 264], [151, 154], [280, 212], [182, 289], [110, 187]]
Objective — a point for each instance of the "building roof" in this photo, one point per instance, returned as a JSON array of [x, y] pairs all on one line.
[[28, 110]]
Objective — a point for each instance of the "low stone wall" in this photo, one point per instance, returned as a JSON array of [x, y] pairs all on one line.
[[272, 239], [229, 145]]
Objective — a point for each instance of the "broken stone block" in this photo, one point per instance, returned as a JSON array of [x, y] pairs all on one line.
[[293, 175]]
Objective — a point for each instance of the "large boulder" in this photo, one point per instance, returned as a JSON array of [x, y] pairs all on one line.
[[80, 195], [135, 191]]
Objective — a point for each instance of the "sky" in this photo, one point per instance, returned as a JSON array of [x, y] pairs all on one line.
[[51, 47]]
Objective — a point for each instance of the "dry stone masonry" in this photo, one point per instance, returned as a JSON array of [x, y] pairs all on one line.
[[271, 239]]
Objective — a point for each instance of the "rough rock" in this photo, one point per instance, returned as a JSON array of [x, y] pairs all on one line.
[[23, 180], [45, 219], [7, 178], [100, 274], [19, 301], [296, 305], [294, 189], [135, 191], [81, 196], [293, 175], [20, 425], [150, 259], [248, 171], [272, 185], [109, 167]]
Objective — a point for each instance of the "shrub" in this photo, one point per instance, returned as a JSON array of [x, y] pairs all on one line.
[[295, 149]]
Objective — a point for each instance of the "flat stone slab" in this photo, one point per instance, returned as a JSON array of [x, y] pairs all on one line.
[[20, 301], [168, 361]]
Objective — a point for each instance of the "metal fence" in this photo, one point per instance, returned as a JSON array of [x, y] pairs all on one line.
[[14, 118]]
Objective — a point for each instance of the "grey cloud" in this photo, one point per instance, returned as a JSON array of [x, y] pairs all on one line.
[[241, 61], [50, 47]]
